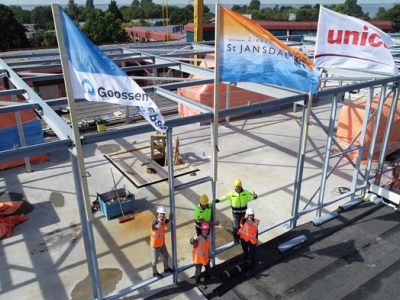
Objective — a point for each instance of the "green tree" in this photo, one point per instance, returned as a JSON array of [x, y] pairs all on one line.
[[89, 4], [340, 8], [255, 4], [354, 9], [72, 10], [113, 8], [143, 3], [307, 13], [50, 40], [43, 16], [128, 12], [179, 17], [189, 8], [152, 11], [37, 39], [12, 35], [268, 13], [104, 28], [21, 15], [379, 15], [255, 14], [392, 14], [243, 9], [236, 7], [138, 13], [135, 3]]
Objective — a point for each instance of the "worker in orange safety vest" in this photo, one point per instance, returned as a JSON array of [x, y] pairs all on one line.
[[201, 254], [157, 241], [249, 238]]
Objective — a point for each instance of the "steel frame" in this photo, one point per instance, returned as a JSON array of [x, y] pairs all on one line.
[[157, 57]]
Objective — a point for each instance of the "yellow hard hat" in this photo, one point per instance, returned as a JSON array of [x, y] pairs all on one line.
[[203, 199], [237, 183]]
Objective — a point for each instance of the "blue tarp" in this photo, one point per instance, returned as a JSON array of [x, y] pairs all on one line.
[[32, 131]]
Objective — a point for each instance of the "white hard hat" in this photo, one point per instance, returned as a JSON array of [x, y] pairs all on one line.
[[161, 209], [249, 211]]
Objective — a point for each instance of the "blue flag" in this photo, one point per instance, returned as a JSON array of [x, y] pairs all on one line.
[[96, 77], [249, 53]]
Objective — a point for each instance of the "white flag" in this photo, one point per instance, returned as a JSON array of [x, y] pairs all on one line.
[[348, 42], [96, 77]]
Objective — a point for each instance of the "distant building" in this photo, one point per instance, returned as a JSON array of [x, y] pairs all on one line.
[[32, 27], [156, 33], [153, 22], [281, 28]]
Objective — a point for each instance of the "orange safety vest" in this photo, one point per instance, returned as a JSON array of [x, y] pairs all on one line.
[[201, 253], [248, 231], [157, 238]]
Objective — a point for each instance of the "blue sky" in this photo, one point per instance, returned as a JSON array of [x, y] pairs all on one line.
[[174, 2]]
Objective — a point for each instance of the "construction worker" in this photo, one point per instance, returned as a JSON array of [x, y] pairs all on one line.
[[203, 213], [157, 241], [201, 253], [238, 198], [248, 233]]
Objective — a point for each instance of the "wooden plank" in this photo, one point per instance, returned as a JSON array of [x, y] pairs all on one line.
[[130, 163], [128, 151]]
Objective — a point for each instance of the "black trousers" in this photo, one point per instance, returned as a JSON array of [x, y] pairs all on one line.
[[198, 271], [249, 251]]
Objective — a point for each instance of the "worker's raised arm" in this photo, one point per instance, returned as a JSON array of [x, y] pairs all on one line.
[[223, 198]]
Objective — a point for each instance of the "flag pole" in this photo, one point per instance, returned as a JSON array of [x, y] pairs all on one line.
[[214, 131], [72, 109], [216, 91], [78, 166]]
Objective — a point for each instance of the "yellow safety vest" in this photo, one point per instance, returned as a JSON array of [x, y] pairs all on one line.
[[202, 214], [238, 200]]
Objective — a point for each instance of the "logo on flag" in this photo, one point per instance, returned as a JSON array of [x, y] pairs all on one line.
[[348, 42], [249, 53], [96, 77]]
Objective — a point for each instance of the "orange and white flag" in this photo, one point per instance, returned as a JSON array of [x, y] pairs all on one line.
[[249, 53]]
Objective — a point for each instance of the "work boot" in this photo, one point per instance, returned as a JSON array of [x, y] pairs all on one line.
[[199, 284], [169, 270], [158, 275]]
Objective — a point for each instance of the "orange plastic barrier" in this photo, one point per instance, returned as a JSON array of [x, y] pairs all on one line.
[[205, 94], [350, 124]]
